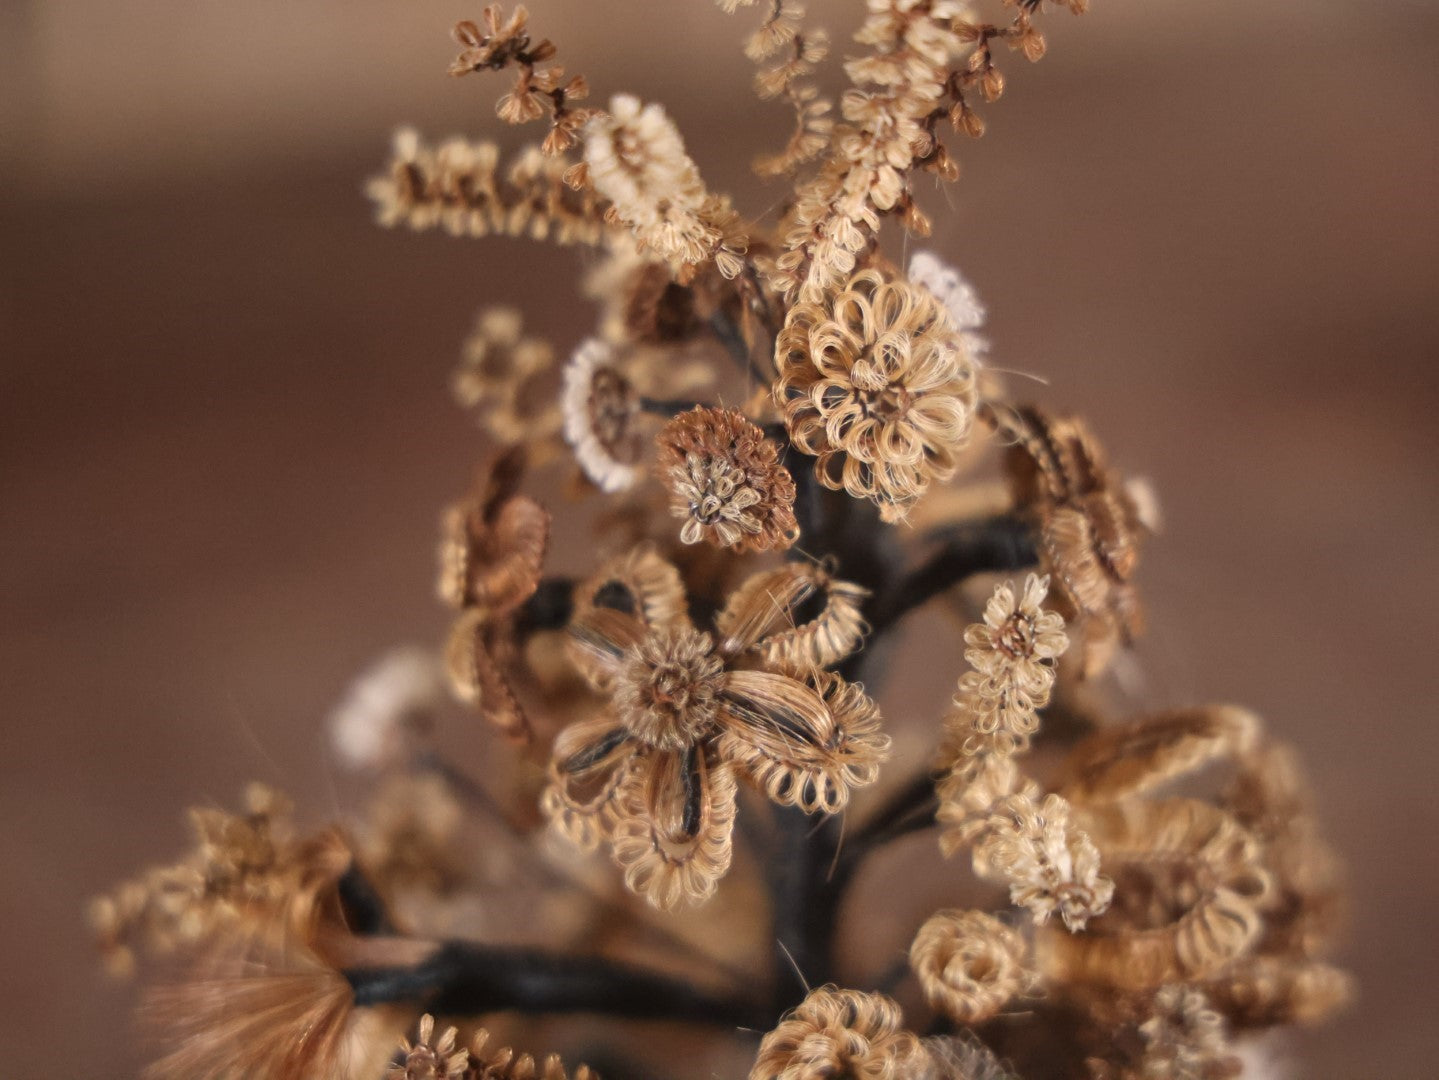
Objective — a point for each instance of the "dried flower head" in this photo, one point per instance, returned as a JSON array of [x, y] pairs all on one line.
[[969, 964], [1088, 528], [839, 1033], [497, 44], [491, 553], [507, 379], [400, 692], [725, 482], [1137, 758], [1018, 641], [1012, 652], [600, 408], [655, 771], [877, 386], [1190, 890], [636, 159], [461, 187], [428, 1058], [489, 1061], [970, 791], [246, 873], [1049, 864], [1173, 1035]]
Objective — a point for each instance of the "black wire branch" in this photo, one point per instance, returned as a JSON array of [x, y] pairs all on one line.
[[467, 978], [548, 608], [735, 344], [805, 904], [995, 544], [668, 406]]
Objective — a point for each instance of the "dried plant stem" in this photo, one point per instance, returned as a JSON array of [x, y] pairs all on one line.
[[805, 904], [668, 407], [473, 979], [999, 544]]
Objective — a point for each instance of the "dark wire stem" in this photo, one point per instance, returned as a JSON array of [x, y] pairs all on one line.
[[994, 545], [548, 608], [468, 978], [805, 902], [668, 407], [480, 799], [735, 344]]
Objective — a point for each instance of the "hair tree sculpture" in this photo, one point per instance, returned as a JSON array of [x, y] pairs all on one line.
[[778, 438]]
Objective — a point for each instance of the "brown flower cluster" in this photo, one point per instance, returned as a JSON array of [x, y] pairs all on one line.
[[876, 385], [460, 186], [635, 159], [1088, 525], [501, 43], [491, 552], [760, 459], [429, 1058], [911, 78], [507, 379], [725, 482], [241, 864], [690, 712]]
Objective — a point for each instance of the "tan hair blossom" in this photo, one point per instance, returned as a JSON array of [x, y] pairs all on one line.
[[877, 386], [428, 1058], [491, 553], [507, 378], [1048, 863], [1175, 1034], [600, 407], [970, 791], [725, 481], [1012, 653], [969, 964], [1088, 525], [636, 159], [1134, 759], [461, 187], [1191, 889], [839, 1033], [655, 772]]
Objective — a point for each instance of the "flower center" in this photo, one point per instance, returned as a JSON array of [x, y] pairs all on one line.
[[668, 688], [611, 405], [716, 489], [1016, 637]]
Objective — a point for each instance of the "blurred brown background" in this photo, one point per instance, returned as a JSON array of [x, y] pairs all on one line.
[[224, 430]]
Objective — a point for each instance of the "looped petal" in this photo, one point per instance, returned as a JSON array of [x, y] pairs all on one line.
[[598, 642], [477, 676], [806, 745], [797, 616], [1202, 863], [639, 583], [673, 836], [493, 544], [590, 762], [1137, 758]]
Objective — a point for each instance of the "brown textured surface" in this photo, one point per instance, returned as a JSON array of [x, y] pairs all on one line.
[[224, 435]]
